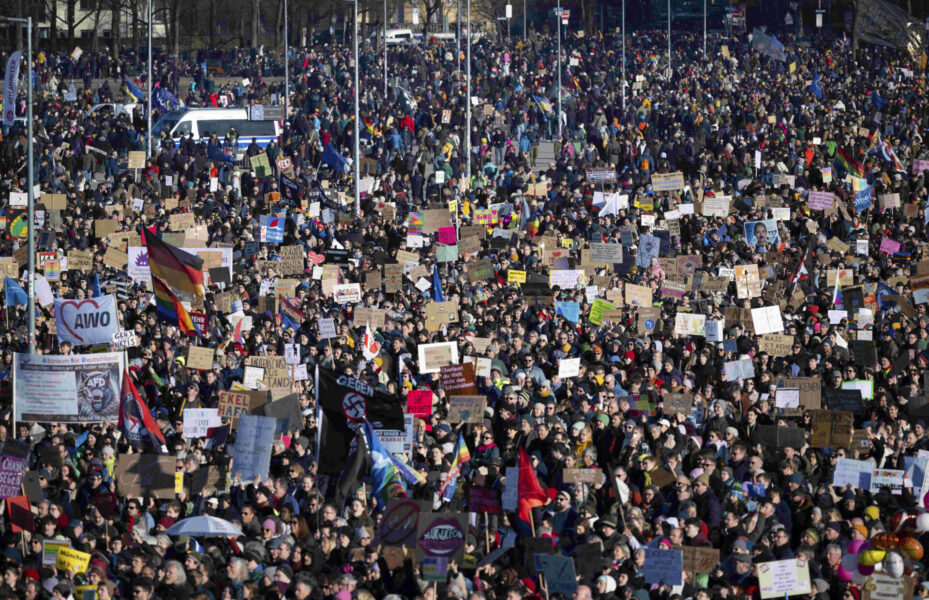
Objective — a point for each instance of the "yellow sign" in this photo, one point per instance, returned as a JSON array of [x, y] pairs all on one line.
[[178, 483], [72, 560], [513, 276]]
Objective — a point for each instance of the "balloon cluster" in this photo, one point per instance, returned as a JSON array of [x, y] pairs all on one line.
[[888, 548]]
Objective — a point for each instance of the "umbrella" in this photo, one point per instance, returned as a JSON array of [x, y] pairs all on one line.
[[204, 526]]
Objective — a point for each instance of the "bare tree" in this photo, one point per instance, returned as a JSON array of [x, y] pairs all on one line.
[[256, 23]]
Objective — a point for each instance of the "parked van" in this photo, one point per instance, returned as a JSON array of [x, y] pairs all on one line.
[[399, 36], [203, 122]]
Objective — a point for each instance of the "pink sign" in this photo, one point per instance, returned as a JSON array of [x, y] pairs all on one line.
[[446, 235], [820, 200], [919, 166], [889, 246]]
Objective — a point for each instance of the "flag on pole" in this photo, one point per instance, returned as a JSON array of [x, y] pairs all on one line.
[[175, 267], [15, 294], [169, 309], [135, 418], [462, 455], [370, 347]]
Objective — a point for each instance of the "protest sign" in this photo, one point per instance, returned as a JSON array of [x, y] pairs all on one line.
[[75, 388], [855, 473], [831, 429], [69, 559], [891, 479], [141, 474], [400, 522], [50, 550], [458, 380], [882, 586], [466, 409], [592, 476], [286, 411], [698, 559], [784, 578], [251, 455], [484, 500], [569, 367], [560, 576], [667, 182], [419, 403], [197, 421], [199, 357], [233, 405], [747, 281], [441, 535], [432, 357], [847, 400], [663, 566], [88, 321]]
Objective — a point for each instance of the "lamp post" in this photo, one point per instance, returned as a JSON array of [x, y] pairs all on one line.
[[385, 49], [355, 162], [623, 86], [148, 103], [467, 136], [30, 195], [286, 68], [558, 25]]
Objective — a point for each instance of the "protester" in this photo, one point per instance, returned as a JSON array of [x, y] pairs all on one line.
[[664, 321]]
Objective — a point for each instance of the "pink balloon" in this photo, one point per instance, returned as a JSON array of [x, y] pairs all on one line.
[[843, 574], [865, 570], [926, 501], [854, 546]]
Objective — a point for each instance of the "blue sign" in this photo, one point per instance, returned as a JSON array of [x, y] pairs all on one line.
[[272, 229], [863, 200]]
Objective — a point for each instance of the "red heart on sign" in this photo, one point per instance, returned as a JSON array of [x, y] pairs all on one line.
[[316, 259], [77, 306]]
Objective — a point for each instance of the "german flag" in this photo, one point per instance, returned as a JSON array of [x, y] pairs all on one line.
[[175, 267]]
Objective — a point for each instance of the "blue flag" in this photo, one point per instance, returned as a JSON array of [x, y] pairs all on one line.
[[95, 285], [863, 200], [165, 100], [816, 88], [437, 294], [215, 154], [877, 101], [332, 158], [15, 294]]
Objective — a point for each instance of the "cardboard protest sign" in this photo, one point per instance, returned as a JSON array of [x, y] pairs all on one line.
[[458, 380], [832, 429], [141, 474], [810, 389], [699, 559], [592, 476], [200, 358], [400, 522], [882, 586], [466, 409]]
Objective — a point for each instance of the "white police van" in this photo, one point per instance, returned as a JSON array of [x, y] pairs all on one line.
[[203, 122]]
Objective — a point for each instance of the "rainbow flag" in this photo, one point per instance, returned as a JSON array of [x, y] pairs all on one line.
[[849, 163], [837, 293], [175, 267], [169, 309], [462, 455]]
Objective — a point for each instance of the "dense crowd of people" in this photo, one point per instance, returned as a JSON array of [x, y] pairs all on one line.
[[674, 404]]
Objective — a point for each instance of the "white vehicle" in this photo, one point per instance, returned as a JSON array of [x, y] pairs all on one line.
[[399, 36], [116, 109], [203, 122]]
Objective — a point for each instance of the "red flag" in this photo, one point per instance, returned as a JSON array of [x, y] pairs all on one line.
[[134, 416], [531, 493]]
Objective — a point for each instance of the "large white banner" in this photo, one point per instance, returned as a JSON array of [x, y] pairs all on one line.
[[88, 321], [138, 261], [77, 388], [10, 87]]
